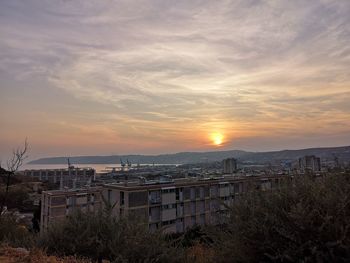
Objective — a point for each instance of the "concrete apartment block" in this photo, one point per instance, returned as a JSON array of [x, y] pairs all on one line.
[[173, 205], [309, 163], [73, 177], [57, 204], [181, 203]]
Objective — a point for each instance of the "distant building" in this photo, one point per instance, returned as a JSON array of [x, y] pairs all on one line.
[[309, 163], [72, 177], [57, 204], [229, 165]]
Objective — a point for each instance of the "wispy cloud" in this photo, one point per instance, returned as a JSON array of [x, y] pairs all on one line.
[[168, 70]]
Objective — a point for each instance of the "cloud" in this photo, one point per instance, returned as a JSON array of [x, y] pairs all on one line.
[[246, 67]]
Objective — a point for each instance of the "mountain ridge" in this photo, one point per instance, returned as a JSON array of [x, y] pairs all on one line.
[[196, 157]]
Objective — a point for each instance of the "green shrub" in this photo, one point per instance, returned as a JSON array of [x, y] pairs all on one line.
[[101, 236], [13, 233], [306, 220]]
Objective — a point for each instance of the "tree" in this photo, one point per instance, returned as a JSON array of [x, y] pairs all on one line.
[[304, 220], [101, 236], [13, 164]]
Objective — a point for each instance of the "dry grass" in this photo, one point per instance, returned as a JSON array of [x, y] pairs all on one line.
[[200, 254], [19, 255]]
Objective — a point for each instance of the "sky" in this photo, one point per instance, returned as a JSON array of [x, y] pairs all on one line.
[[107, 77]]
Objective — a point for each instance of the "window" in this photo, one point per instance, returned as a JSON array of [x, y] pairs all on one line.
[[169, 206], [186, 193], [193, 193], [202, 220], [206, 191], [214, 190], [166, 191], [178, 194], [59, 200], [109, 196], [193, 220], [197, 192], [139, 213], [236, 188], [154, 197], [121, 198], [138, 198], [170, 222], [201, 192], [193, 207]]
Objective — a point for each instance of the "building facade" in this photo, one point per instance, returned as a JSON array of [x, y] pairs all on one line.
[[229, 166], [172, 205], [182, 203], [309, 163], [57, 204], [72, 177]]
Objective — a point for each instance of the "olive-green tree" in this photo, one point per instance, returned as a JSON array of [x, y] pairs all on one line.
[[304, 220], [13, 164], [102, 236]]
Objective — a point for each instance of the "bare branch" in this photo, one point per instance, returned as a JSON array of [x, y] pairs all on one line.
[[17, 158]]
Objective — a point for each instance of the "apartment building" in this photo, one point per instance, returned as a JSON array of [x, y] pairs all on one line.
[[57, 204], [182, 203], [173, 205], [73, 177], [309, 163], [229, 165]]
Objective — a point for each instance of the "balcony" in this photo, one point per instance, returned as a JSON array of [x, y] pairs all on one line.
[[154, 200]]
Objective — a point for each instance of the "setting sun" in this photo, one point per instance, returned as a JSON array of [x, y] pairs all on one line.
[[217, 138]]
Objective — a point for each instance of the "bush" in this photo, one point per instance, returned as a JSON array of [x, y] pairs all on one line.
[[9, 254], [306, 220], [102, 236], [14, 233], [16, 198]]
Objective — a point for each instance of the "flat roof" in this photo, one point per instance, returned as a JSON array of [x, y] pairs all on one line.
[[58, 169], [73, 191], [150, 185], [183, 182]]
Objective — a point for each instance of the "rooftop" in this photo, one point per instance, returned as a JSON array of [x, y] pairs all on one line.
[[75, 191], [130, 185]]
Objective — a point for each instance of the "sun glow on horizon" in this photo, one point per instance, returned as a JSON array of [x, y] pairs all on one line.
[[217, 138]]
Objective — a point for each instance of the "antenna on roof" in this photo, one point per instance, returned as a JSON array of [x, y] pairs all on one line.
[[70, 166], [129, 163], [336, 160], [122, 164]]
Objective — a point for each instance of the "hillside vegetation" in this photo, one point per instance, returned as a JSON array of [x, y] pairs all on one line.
[[305, 220]]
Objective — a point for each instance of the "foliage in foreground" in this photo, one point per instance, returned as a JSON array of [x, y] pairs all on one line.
[[13, 233], [307, 220], [11, 255], [101, 236], [16, 198]]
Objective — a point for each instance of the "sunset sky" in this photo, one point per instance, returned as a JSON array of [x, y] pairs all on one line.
[[116, 77]]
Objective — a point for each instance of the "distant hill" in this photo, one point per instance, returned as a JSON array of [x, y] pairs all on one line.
[[177, 158], [343, 153]]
